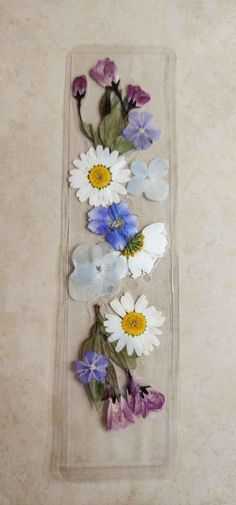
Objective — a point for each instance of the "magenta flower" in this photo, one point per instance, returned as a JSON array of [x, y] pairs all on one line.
[[143, 399], [139, 130], [119, 414], [79, 86], [137, 96], [105, 72]]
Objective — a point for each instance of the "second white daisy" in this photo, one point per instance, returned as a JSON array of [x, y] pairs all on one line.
[[135, 325], [99, 176]]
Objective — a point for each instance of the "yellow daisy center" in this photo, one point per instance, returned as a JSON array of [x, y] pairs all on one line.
[[99, 176], [134, 323], [135, 245]]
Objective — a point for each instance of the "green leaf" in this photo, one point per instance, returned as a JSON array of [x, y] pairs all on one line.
[[105, 103], [90, 132], [97, 390], [122, 145], [111, 378], [111, 126], [120, 358]]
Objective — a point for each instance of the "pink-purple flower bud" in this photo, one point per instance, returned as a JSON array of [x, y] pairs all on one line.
[[137, 96], [105, 72], [79, 86]]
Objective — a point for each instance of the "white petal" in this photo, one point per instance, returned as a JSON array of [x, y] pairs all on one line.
[[130, 346], [112, 158], [115, 196], [91, 156], [94, 200], [155, 240], [78, 164], [137, 346], [122, 176], [156, 190], [83, 193], [127, 302], [116, 167], [121, 344], [141, 303], [134, 266], [113, 322], [77, 178], [146, 261], [85, 160], [136, 185], [139, 168], [117, 307], [158, 168], [114, 337], [116, 186]]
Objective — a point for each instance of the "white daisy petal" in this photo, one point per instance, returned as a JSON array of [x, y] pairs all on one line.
[[158, 168], [120, 163], [112, 158], [134, 266], [122, 176], [117, 307], [116, 186], [91, 156], [78, 164], [141, 303], [127, 302], [155, 240], [156, 189], [121, 344], [114, 337], [130, 346], [83, 193]]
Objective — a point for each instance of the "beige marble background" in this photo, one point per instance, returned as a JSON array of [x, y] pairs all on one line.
[[35, 38]]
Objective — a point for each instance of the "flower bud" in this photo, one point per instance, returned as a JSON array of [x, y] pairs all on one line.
[[79, 86]]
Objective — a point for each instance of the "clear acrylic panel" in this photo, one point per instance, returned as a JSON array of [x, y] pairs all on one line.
[[82, 447]]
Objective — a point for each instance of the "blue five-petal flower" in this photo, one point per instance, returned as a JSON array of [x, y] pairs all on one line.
[[93, 366], [115, 223]]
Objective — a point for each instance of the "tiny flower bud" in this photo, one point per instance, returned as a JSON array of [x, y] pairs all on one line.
[[79, 86]]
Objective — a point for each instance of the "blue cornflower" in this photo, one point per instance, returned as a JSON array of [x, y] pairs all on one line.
[[115, 222], [92, 367]]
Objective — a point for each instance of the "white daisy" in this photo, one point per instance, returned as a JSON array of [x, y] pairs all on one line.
[[145, 249], [99, 176], [135, 326]]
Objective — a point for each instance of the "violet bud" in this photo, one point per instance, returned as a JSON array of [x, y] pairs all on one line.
[[137, 96], [79, 87], [105, 72]]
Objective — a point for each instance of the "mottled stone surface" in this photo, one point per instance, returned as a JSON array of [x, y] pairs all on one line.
[[35, 38]]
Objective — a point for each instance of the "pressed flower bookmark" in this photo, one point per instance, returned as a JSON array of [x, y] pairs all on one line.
[[102, 178]]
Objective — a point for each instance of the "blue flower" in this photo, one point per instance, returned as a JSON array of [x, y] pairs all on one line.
[[115, 222], [139, 130], [92, 367]]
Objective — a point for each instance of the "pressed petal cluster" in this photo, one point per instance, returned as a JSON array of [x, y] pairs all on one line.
[[119, 414], [115, 223], [98, 270], [145, 249], [143, 399], [135, 325], [148, 179], [137, 96], [140, 131], [93, 367], [99, 176], [105, 72]]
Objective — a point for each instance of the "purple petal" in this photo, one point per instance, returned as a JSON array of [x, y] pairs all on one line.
[[116, 239], [90, 357], [145, 118], [86, 377], [101, 361], [152, 133], [141, 142]]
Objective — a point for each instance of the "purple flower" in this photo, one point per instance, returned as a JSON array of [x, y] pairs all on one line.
[[105, 72], [92, 367], [114, 222], [79, 86], [119, 414], [143, 399], [137, 96], [139, 130]]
